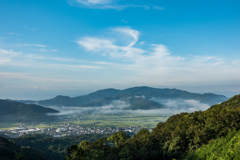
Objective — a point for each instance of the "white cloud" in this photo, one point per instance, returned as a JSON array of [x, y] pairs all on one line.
[[42, 50], [157, 65], [107, 47], [158, 8], [103, 4], [30, 45], [10, 33], [87, 2], [35, 78], [124, 21], [118, 106], [133, 33], [125, 64], [7, 55]]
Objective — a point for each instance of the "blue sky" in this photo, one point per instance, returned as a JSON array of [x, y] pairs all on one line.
[[73, 47]]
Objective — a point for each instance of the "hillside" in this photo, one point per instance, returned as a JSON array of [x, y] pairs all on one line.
[[180, 135], [222, 148], [55, 148], [15, 111], [147, 92], [8, 149]]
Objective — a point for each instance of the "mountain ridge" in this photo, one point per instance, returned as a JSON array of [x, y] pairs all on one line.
[[148, 92]]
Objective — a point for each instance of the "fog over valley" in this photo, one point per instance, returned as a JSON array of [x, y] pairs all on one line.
[[171, 106]]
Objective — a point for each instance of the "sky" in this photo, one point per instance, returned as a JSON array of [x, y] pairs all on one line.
[[74, 47]]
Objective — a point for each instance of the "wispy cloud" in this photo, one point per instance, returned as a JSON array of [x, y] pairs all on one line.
[[157, 65], [158, 8], [124, 21], [103, 4], [29, 60], [35, 78], [42, 50], [133, 33], [126, 63], [11, 33], [107, 46], [7, 55], [121, 107], [30, 45]]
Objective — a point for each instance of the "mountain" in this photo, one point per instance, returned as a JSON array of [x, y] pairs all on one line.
[[79, 100], [147, 92], [132, 102], [15, 111]]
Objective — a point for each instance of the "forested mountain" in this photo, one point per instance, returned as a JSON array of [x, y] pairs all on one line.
[[180, 135], [147, 92], [15, 111], [134, 102]]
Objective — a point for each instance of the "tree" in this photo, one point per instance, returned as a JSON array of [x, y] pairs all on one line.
[[118, 137], [19, 156]]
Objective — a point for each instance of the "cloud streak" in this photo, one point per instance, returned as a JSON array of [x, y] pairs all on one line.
[[103, 4], [120, 107], [11, 33], [30, 45], [7, 55]]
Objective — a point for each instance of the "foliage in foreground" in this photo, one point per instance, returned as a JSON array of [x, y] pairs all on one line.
[[224, 148], [54, 148], [9, 150], [181, 134]]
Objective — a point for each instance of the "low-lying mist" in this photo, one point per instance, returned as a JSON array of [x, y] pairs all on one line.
[[171, 106]]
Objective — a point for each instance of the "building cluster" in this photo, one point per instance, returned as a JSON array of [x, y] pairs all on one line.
[[67, 130], [16, 132]]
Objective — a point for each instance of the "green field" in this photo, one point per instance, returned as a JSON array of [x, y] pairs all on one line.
[[148, 121], [119, 120], [8, 125], [126, 120]]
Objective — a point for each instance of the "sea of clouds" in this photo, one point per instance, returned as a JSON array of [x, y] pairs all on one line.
[[172, 106]]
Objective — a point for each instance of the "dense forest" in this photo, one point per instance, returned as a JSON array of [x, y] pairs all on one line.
[[181, 135], [10, 150], [210, 134], [226, 148], [41, 147]]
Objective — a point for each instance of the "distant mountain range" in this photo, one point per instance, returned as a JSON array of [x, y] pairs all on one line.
[[15, 111], [137, 97]]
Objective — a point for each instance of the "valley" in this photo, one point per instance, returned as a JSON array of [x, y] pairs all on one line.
[[78, 125]]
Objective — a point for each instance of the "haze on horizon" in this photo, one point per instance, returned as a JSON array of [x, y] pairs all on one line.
[[74, 47]]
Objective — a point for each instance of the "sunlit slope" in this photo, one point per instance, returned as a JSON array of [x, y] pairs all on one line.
[[224, 148], [188, 131]]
